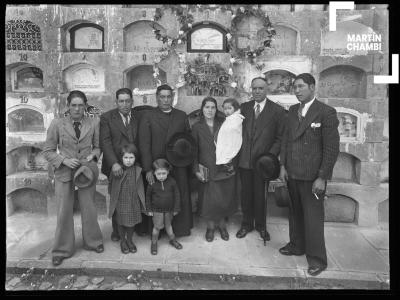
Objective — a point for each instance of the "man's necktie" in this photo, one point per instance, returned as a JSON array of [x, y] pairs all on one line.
[[126, 120], [77, 130], [257, 111], [300, 112]]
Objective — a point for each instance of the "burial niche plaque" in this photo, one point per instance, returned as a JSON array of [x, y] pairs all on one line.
[[142, 78], [139, 37], [280, 82], [87, 37], [84, 77], [25, 119], [284, 42], [207, 38], [27, 78], [343, 82]]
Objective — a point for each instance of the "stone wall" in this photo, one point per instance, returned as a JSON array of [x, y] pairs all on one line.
[[302, 44]]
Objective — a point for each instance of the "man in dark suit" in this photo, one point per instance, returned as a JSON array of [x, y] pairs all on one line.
[[119, 127], [309, 152], [156, 128], [263, 128]]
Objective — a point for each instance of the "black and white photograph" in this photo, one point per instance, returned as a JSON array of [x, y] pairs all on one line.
[[198, 147]]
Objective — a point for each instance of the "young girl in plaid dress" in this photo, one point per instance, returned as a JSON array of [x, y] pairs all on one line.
[[127, 198], [162, 203]]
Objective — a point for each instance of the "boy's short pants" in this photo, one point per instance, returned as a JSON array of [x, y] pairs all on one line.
[[162, 219]]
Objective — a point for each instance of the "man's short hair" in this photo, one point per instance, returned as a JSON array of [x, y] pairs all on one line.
[[76, 94], [261, 78], [306, 77], [163, 87], [123, 91]]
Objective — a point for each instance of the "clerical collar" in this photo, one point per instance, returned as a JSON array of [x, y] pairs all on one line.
[[166, 112]]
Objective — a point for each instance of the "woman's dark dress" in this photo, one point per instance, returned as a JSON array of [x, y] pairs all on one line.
[[217, 199]]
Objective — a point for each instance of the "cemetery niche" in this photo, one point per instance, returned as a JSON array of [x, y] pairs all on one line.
[[139, 37], [84, 77], [87, 37], [23, 35], [342, 81], [280, 82], [27, 78], [284, 43], [207, 37], [141, 77], [25, 119]]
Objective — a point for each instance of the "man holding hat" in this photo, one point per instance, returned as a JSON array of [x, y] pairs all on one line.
[[263, 128], [156, 134], [76, 137], [309, 152]]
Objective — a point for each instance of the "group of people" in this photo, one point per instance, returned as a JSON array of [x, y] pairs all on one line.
[[149, 187]]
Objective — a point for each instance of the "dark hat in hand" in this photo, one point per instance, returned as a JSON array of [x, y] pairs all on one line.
[[181, 149], [86, 174], [267, 165], [282, 196]]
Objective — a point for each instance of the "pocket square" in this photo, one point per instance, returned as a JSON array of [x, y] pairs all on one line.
[[315, 125]]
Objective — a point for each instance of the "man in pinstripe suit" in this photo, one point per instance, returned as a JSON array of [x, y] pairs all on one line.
[[309, 151]]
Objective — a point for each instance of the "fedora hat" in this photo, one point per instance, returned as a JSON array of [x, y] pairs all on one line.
[[267, 165], [86, 174], [181, 149], [282, 196]]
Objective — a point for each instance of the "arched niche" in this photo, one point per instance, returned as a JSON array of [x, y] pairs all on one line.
[[25, 200], [285, 42], [23, 35], [25, 78], [342, 81], [336, 42], [207, 37], [280, 88], [25, 158], [340, 208], [25, 120], [141, 77], [347, 168], [82, 36], [84, 77], [139, 37]]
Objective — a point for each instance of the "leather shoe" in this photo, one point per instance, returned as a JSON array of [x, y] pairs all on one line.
[[98, 249], [57, 260], [131, 246], [288, 250], [315, 270], [264, 235], [224, 234], [115, 236], [242, 233], [176, 244], [210, 235], [124, 247]]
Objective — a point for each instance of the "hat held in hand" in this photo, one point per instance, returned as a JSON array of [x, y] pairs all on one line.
[[85, 175], [181, 149], [267, 165]]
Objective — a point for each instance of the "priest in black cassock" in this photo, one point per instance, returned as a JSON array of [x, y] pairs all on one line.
[[155, 130]]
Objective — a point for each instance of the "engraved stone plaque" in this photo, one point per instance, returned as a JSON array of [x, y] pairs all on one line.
[[84, 77], [25, 120], [342, 82], [207, 39], [347, 125], [139, 37], [29, 79], [279, 82], [283, 43], [89, 38], [142, 78]]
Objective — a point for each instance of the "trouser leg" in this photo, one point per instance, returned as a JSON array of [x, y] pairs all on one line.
[[114, 223], [260, 204], [64, 240], [168, 226], [247, 198], [91, 232], [296, 217]]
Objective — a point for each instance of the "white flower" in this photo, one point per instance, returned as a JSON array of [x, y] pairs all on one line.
[[135, 91], [169, 42], [212, 5], [228, 36], [242, 9], [181, 32], [232, 60], [262, 75], [233, 16], [190, 25], [234, 84], [179, 41], [230, 71], [157, 60]]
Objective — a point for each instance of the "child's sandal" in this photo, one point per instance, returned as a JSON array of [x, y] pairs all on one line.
[[176, 244]]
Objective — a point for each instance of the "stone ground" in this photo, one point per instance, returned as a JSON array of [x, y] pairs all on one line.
[[358, 258]]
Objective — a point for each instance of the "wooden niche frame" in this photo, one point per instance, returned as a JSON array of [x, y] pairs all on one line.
[[211, 25], [72, 32]]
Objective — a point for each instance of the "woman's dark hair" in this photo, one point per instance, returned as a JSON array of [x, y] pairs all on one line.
[[123, 91], [129, 148], [163, 87], [306, 77], [161, 163], [74, 94], [203, 103], [233, 102]]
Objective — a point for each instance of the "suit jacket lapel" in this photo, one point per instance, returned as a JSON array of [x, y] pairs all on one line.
[[69, 128], [249, 115], [310, 116], [263, 119], [117, 120], [84, 128]]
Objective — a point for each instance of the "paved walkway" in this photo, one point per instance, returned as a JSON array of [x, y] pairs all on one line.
[[357, 257]]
